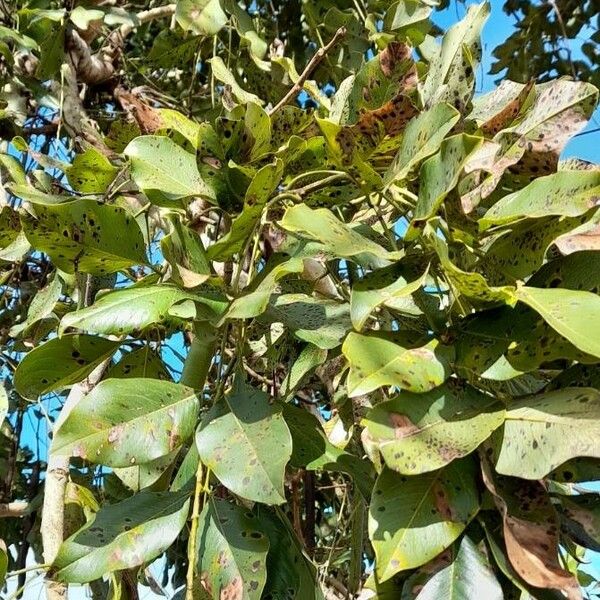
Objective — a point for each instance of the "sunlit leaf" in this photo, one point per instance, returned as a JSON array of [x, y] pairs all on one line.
[[61, 362], [121, 536], [376, 362], [418, 433], [246, 443], [414, 518], [107, 424], [232, 551]]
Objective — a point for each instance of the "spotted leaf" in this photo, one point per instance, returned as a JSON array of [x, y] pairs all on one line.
[[106, 426], [246, 443]]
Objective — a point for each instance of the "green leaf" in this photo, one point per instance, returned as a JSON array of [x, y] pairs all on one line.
[[312, 450], [10, 226], [148, 474], [309, 358], [574, 314], [336, 237], [184, 251], [413, 519], [3, 562], [245, 28], [418, 433], [541, 432], [91, 172], [423, 136], [566, 193], [52, 51], [173, 49], [137, 308], [290, 574], [462, 36], [257, 195], [469, 575], [381, 287], [86, 236], [323, 323], [232, 551], [202, 17], [106, 426], [223, 74], [246, 443], [61, 362], [255, 301], [376, 362], [143, 362], [41, 306], [439, 175], [122, 536], [158, 163]]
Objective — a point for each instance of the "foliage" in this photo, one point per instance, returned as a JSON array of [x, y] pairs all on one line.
[[551, 39], [343, 349]]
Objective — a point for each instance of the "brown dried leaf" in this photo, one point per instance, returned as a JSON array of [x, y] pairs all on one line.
[[530, 532]]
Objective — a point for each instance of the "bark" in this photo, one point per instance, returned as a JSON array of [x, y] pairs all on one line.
[[14, 509], [57, 473]]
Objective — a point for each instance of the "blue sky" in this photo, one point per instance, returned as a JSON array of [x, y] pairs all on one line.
[[498, 27]]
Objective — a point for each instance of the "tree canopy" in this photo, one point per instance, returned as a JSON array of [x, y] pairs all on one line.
[[289, 310]]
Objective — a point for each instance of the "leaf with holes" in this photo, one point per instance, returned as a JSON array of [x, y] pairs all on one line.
[[106, 426], [418, 433], [122, 536], [376, 362], [137, 308], [232, 551], [75, 236], [246, 443], [61, 362], [158, 163], [413, 519], [543, 431]]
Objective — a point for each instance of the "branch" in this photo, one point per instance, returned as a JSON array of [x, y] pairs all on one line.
[[97, 68], [146, 16], [14, 509], [57, 473], [310, 67]]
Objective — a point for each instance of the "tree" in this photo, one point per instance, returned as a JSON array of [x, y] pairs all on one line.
[[551, 39], [343, 349]]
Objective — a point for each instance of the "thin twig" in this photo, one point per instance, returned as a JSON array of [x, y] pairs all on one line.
[[310, 67], [191, 569]]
